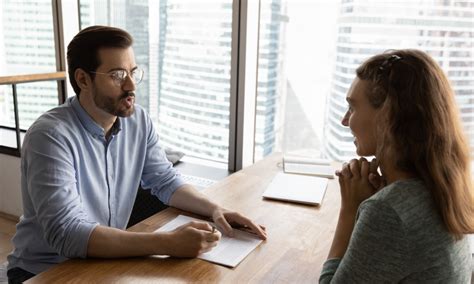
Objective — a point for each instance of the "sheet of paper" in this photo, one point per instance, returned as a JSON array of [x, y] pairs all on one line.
[[297, 188], [229, 251], [309, 169]]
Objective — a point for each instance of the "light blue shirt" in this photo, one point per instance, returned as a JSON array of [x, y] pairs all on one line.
[[73, 179]]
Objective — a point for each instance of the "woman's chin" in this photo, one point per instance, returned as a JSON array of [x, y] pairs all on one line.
[[361, 152]]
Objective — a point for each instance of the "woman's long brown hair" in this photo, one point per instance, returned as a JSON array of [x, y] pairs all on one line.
[[422, 126]]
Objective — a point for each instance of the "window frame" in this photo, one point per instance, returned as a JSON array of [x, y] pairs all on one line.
[[244, 77]]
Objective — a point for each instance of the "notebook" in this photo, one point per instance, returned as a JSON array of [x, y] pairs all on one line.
[[297, 188], [308, 166]]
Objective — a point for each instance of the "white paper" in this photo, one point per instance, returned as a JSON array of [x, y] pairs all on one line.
[[229, 251], [309, 169], [297, 188]]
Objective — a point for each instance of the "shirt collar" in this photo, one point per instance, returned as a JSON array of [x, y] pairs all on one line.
[[117, 126], [87, 121]]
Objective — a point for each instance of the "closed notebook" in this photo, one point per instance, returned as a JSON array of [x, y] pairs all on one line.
[[297, 188], [308, 166]]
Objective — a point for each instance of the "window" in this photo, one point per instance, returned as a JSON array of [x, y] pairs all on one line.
[[27, 46], [308, 53], [185, 49]]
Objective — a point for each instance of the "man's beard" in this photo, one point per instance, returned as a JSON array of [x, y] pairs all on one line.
[[114, 105]]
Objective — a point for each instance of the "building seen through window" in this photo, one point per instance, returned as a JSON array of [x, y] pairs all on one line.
[[317, 48], [444, 29], [185, 49]]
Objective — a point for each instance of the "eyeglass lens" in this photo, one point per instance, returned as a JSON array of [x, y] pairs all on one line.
[[121, 75]]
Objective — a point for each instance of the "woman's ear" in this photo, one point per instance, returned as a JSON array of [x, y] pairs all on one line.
[[82, 79]]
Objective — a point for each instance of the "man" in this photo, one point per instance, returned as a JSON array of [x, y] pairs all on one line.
[[83, 161]]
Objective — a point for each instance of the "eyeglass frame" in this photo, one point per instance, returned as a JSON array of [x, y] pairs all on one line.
[[120, 82]]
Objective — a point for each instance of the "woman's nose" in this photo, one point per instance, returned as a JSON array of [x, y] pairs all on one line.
[[345, 119]]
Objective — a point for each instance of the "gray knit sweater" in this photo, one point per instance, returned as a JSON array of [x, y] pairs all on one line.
[[400, 237]]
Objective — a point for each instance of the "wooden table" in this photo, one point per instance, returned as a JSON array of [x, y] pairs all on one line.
[[299, 237]]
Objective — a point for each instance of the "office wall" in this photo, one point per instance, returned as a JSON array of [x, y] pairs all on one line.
[[10, 193]]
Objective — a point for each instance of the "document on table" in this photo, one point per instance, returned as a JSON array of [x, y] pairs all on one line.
[[229, 251], [307, 166], [307, 169], [297, 188]]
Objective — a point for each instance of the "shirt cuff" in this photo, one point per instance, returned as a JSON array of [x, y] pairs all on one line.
[[329, 269], [165, 194], [80, 240]]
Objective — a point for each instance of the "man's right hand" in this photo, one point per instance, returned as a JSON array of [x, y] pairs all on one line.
[[192, 239]]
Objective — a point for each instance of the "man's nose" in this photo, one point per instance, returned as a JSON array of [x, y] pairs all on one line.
[[129, 84]]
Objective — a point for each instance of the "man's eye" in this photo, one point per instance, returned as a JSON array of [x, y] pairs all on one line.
[[119, 75]]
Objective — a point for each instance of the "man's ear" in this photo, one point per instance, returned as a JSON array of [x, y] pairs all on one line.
[[83, 79]]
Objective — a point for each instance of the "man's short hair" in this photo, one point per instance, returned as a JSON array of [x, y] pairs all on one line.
[[83, 50]]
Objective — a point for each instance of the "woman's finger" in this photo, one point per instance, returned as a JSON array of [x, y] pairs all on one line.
[[374, 164], [354, 166], [364, 169], [345, 171]]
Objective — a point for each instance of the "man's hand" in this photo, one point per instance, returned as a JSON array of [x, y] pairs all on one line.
[[225, 220], [192, 239], [189, 199]]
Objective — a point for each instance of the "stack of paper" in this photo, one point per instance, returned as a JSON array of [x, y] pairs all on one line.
[[308, 166], [297, 188]]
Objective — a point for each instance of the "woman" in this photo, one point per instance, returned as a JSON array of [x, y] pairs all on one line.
[[408, 224]]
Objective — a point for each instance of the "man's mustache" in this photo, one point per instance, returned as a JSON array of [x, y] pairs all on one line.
[[127, 94]]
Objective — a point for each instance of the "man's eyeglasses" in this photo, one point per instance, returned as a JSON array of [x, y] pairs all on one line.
[[119, 76]]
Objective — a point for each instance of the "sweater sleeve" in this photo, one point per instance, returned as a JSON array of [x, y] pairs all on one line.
[[376, 250]]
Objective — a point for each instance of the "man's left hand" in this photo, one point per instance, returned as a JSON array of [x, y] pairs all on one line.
[[226, 220]]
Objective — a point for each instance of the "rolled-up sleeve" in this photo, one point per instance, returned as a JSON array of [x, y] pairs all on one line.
[[51, 182], [158, 173]]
